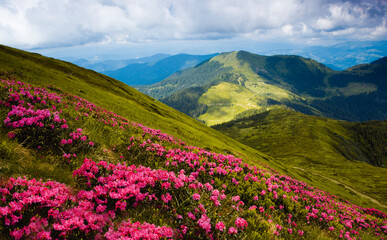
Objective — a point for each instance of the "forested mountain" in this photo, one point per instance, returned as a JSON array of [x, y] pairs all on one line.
[[233, 83]]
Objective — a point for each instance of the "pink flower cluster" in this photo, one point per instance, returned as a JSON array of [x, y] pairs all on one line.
[[26, 117], [120, 182], [22, 199], [86, 213], [128, 230]]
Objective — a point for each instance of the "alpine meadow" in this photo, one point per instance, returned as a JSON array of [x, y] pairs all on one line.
[[84, 156]]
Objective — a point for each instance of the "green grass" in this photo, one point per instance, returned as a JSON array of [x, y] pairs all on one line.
[[225, 101], [321, 150], [355, 88]]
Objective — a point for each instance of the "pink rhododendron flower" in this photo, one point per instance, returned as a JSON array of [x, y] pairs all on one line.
[[215, 192], [190, 215], [166, 198], [11, 135], [205, 223], [236, 198], [196, 196], [220, 226], [232, 230], [241, 223]]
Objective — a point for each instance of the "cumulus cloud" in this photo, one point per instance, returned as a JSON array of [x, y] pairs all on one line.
[[42, 23]]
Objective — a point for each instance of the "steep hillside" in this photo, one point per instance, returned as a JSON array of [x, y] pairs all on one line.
[[356, 94], [149, 73], [337, 150], [104, 176], [114, 96]]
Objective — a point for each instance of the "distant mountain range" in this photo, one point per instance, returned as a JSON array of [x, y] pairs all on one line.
[[340, 56], [149, 70], [230, 84], [144, 71], [153, 72], [111, 65]]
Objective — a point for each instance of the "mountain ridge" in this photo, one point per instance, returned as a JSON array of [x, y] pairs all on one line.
[[356, 94]]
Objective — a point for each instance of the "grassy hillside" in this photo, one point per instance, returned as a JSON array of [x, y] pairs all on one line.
[[115, 96], [337, 151], [107, 177], [356, 94]]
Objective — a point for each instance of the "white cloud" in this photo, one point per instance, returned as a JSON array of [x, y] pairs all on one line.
[[42, 23]]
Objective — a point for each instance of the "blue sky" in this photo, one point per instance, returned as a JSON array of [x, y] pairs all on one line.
[[137, 28]]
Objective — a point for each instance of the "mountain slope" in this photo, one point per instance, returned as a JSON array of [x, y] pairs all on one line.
[[114, 96], [149, 73], [356, 94], [334, 149]]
